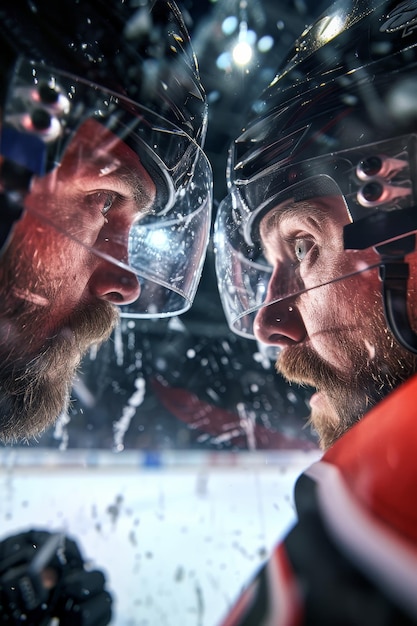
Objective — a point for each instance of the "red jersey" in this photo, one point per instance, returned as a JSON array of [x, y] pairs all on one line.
[[351, 558]]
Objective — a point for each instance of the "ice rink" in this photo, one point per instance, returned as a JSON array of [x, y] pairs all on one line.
[[178, 534]]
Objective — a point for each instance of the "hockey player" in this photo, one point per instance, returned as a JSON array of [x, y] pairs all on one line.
[[105, 200], [105, 191], [316, 255]]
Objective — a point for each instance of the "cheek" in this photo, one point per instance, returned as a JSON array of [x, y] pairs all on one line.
[[52, 260], [339, 320], [321, 312], [69, 266]]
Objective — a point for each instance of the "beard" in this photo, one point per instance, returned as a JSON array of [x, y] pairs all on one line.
[[38, 361], [348, 396]]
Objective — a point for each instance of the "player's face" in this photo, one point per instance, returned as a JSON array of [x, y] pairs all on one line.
[[59, 286], [334, 336]]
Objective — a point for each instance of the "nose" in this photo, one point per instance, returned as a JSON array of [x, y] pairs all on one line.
[[110, 281], [280, 323], [114, 284]]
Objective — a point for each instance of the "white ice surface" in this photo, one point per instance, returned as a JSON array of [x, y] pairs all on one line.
[[177, 541]]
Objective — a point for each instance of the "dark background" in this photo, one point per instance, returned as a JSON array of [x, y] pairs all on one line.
[[189, 383]]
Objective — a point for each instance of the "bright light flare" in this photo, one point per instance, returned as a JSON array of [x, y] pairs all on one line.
[[242, 53], [159, 240]]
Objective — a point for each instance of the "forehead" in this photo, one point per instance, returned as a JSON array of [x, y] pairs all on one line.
[[95, 150], [316, 211], [93, 140]]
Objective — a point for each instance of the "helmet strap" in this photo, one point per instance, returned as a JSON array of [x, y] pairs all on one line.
[[394, 274]]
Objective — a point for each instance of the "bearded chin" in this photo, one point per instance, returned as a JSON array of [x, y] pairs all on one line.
[[31, 399], [348, 396], [40, 347], [304, 366], [35, 387], [23, 418]]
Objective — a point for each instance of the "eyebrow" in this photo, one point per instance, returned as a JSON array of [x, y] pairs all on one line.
[[304, 209], [138, 188]]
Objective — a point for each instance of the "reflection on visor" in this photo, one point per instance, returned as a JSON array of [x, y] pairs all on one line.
[[282, 234], [117, 179], [279, 235]]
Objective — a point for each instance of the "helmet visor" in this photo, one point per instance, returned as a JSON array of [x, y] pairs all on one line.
[[275, 240], [124, 183], [259, 263]]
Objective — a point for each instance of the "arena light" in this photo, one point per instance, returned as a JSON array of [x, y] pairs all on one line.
[[243, 50], [242, 53]]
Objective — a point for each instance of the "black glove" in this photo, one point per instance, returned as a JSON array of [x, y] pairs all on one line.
[[42, 575]]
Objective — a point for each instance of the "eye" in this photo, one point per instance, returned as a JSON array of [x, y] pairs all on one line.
[[108, 200], [301, 248], [102, 200]]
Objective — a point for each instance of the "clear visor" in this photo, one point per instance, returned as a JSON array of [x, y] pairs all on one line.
[[294, 239], [125, 184]]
